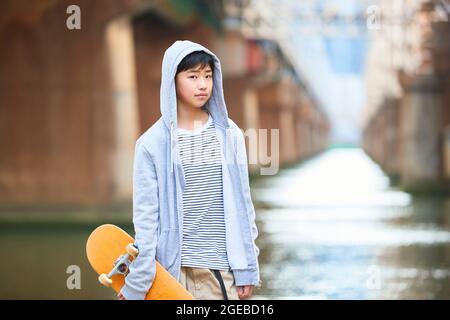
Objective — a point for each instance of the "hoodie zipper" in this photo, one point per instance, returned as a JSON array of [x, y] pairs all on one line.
[[180, 216]]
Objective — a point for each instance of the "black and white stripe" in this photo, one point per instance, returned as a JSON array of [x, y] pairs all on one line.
[[204, 242]]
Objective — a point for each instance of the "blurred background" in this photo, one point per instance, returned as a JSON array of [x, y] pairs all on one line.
[[360, 93]]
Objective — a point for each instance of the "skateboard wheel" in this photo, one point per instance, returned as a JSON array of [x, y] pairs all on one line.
[[132, 250], [104, 280]]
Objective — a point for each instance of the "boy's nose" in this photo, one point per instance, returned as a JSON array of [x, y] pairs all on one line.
[[202, 84]]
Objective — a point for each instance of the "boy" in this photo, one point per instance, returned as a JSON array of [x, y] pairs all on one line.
[[192, 209]]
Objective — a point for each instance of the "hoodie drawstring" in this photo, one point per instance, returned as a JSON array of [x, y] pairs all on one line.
[[171, 147]]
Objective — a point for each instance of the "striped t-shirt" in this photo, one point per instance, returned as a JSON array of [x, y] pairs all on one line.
[[204, 242]]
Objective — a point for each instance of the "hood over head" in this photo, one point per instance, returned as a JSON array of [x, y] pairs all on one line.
[[168, 97]]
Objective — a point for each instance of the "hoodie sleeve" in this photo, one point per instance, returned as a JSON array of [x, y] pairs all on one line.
[[145, 220], [241, 154]]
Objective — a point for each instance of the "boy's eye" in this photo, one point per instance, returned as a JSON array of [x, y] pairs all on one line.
[[195, 77]]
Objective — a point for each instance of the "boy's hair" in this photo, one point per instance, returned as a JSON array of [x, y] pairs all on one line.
[[194, 59]]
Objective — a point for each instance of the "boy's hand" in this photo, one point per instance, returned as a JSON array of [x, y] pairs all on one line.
[[121, 296], [245, 292]]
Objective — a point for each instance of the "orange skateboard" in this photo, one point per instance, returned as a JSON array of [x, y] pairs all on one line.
[[110, 251]]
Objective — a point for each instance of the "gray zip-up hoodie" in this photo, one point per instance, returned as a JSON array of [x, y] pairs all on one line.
[[158, 184]]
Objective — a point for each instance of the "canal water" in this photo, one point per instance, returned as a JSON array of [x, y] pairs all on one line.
[[334, 228], [331, 227]]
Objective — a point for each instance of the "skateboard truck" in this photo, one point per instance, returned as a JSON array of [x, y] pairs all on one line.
[[120, 266]]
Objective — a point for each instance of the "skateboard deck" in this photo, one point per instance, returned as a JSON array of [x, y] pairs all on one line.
[[110, 251]]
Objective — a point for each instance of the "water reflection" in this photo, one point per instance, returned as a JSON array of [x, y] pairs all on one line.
[[38, 257], [330, 228], [333, 228]]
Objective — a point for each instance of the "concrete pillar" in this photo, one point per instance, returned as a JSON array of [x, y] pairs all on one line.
[[420, 133], [391, 136], [119, 37], [287, 136], [446, 153], [68, 106], [251, 120]]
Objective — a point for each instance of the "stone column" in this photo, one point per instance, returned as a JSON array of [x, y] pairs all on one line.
[[420, 133]]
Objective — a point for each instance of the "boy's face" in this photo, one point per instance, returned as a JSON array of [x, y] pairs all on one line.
[[194, 86]]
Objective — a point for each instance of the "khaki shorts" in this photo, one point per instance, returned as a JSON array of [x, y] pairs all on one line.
[[203, 285]]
